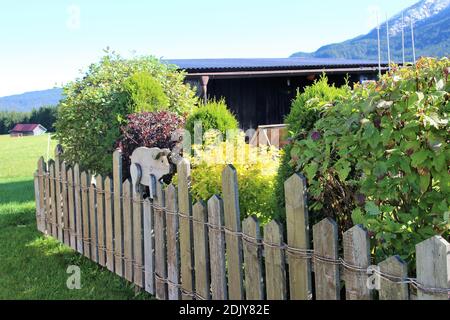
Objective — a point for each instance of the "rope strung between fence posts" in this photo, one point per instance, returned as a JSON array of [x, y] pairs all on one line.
[[177, 286], [298, 253]]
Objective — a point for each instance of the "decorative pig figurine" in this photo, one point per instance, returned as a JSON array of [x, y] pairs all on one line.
[[146, 162]]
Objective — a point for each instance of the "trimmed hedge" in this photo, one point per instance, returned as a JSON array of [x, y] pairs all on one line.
[[213, 116]]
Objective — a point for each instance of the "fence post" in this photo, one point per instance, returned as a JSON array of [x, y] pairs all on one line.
[[78, 208], [149, 245], [127, 230], [71, 201], [160, 244], [201, 252], [217, 249], [59, 209], [389, 290], [40, 203], [186, 237], [357, 255], [37, 199], [93, 220], [48, 201], [327, 281], [52, 193], [298, 237], [254, 284], [85, 182], [65, 206], [275, 262], [233, 225], [109, 223], [101, 221], [433, 268], [173, 246], [117, 180], [138, 246]]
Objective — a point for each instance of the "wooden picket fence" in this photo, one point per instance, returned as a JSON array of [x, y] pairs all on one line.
[[175, 250]]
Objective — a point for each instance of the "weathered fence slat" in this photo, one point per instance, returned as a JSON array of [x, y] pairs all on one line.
[[233, 224], [71, 215], [138, 246], [201, 252], [389, 289], [357, 254], [101, 220], [109, 225], [149, 252], [127, 230], [186, 242], [37, 197], [327, 281], [59, 209], [93, 220], [160, 244], [254, 284], [298, 237], [217, 249], [85, 182], [65, 206], [40, 203], [78, 208], [275, 262], [48, 201], [173, 246], [54, 215], [433, 267], [118, 242]]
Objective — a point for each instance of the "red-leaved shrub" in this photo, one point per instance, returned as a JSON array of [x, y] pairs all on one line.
[[151, 130]]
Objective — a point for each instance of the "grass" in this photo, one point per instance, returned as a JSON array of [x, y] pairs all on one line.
[[33, 266]]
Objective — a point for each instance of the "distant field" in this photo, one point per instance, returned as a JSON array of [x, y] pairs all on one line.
[[32, 266], [18, 156]]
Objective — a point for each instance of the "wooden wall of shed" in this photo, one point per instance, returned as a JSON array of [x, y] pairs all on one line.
[[263, 101]]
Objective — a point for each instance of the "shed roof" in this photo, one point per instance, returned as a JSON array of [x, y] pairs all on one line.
[[217, 65], [25, 127]]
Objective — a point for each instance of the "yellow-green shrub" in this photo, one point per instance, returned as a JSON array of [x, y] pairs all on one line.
[[256, 171]]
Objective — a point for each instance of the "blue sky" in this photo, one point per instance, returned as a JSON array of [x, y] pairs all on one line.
[[46, 43]]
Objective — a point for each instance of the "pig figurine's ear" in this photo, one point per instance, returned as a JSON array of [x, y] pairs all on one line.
[[164, 152]]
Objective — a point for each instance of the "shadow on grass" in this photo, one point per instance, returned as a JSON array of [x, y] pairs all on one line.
[[34, 267], [16, 192]]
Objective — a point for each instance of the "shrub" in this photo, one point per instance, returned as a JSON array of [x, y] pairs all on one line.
[[383, 158], [213, 116], [146, 93], [308, 106], [151, 130], [95, 107], [306, 110], [256, 171]]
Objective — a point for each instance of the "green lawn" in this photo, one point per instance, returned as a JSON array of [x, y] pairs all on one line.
[[31, 265]]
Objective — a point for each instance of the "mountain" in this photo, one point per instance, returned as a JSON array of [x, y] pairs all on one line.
[[27, 101], [431, 20]]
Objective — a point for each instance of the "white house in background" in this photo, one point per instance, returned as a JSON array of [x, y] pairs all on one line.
[[21, 130]]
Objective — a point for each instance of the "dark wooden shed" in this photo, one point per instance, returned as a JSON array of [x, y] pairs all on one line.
[[260, 91]]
